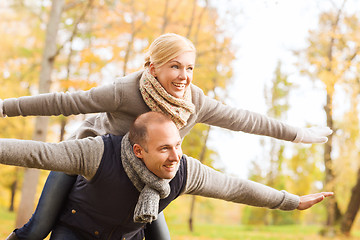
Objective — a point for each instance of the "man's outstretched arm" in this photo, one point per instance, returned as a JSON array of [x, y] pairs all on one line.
[[207, 182], [77, 157]]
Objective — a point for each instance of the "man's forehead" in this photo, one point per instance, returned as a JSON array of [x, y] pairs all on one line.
[[163, 134]]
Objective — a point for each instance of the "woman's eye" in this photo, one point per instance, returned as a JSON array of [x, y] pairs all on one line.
[[190, 68], [175, 66]]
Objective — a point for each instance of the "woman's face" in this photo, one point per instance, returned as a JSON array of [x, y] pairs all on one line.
[[176, 75]]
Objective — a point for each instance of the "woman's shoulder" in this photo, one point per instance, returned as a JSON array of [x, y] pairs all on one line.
[[197, 94], [132, 78], [196, 91]]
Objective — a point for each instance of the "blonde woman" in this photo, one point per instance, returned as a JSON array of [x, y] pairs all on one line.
[[164, 85]]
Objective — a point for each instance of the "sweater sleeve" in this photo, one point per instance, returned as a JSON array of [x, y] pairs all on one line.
[[204, 181], [98, 99], [107, 98], [77, 157], [215, 113]]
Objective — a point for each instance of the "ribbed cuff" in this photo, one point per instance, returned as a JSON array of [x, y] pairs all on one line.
[[2, 109], [299, 135], [290, 201]]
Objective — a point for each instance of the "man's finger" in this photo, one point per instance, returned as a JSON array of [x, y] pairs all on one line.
[[327, 194]]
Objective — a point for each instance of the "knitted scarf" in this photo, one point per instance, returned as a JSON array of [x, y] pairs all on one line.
[[150, 186], [159, 100]]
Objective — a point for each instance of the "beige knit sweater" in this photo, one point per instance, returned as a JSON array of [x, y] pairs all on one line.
[[119, 103], [83, 157]]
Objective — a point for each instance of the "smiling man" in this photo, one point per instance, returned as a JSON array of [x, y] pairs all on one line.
[[125, 181], [157, 144]]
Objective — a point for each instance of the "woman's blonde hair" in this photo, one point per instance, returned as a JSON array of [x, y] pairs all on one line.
[[166, 47]]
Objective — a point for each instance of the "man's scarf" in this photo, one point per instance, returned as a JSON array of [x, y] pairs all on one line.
[[151, 187], [159, 100]]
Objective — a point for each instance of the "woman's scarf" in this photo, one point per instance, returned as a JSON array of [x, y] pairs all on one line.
[[159, 100], [151, 187]]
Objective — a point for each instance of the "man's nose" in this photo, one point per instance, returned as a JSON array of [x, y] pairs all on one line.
[[174, 155]]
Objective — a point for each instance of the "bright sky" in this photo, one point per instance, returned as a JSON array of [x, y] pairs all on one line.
[[270, 29]]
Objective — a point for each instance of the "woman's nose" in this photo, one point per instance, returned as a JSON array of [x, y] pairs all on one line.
[[183, 74]]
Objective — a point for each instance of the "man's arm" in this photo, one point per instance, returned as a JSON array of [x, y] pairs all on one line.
[[80, 157], [207, 182]]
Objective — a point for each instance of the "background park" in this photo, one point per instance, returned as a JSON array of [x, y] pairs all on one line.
[[294, 60]]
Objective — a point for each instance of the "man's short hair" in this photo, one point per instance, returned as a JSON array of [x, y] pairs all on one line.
[[138, 130]]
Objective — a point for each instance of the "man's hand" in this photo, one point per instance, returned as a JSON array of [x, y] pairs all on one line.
[[2, 109], [308, 201]]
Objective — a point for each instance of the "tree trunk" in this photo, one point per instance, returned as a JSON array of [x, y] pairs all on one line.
[[193, 200], [332, 208], [13, 192], [329, 174], [352, 208], [135, 29], [32, 175], [191, 217], [165, 17], [192, 19], [63, 122]]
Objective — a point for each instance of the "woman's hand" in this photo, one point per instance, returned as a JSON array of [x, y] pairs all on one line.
[[312, 135], [308, 201]]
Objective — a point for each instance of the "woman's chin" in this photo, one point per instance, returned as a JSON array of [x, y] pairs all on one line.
[[178, 94]]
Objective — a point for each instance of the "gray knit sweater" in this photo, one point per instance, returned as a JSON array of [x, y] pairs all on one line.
[[120, 103], [83, 157]]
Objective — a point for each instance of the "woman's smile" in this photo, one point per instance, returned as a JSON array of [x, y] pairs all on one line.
[[176, 75]]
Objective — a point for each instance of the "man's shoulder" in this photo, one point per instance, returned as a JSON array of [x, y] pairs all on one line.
[[182, 171], [112, 141]]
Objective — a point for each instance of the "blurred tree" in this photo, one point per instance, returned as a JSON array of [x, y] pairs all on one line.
[[277, 100], [345, 164], [32, 175], [19, 64], [68, 82], [331, 59]]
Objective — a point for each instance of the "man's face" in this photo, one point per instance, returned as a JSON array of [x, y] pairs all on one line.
[[162, 151]]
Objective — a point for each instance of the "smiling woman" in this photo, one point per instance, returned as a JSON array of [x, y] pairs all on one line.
[[164, 85], [176, 75]]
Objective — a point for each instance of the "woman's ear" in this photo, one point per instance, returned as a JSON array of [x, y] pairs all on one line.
[[152, 69], [138, 150]]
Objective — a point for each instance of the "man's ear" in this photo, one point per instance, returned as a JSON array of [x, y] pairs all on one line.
[[138, 150], [152, 69]]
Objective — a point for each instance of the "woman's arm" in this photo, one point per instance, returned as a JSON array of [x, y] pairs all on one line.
[[81, 157], [106, 98], [215, 113], [97, 99]]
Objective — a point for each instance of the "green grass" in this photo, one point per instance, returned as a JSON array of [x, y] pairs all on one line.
[[216, 232], [220, 232], [7, 220]]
